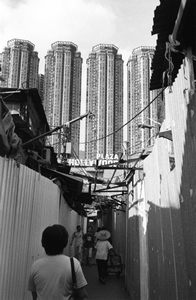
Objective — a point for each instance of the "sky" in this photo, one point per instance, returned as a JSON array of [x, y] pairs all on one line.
[[126, 24]]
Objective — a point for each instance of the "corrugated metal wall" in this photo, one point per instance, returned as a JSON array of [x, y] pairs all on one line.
[[182, 103], [136, 238], [167, 275], [118, 233], [29, 203], [70, 219], [161, 217], [115, 222]]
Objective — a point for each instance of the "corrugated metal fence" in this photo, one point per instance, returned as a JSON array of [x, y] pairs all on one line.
[[161, 214], [29, 202]]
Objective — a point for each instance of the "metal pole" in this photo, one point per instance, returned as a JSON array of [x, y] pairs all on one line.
[[42, 135], [58, 127]]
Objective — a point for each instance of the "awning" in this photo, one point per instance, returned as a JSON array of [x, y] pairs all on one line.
[[73, 187], [74, 184]]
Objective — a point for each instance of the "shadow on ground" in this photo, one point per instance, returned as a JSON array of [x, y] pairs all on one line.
[[114, 288]]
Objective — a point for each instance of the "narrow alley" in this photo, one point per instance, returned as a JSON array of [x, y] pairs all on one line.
[[114, 288], [130, 169]]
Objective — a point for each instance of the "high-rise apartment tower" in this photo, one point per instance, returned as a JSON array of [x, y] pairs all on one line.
[[19, 65], [40, 86], [104, 98], [142, 127], [62, 92]]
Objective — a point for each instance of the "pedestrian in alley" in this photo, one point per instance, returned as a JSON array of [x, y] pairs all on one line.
[[110, 238], [77, 238], [88, 245], [103, 246], [51, 276]]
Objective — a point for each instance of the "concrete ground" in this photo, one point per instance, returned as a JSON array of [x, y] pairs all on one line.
[[114, 289]]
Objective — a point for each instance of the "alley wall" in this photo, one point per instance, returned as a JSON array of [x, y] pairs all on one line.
[[115, 221], [29, 203], [161, 220]]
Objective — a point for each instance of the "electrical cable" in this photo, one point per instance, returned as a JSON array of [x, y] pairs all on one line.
[[95, 140]]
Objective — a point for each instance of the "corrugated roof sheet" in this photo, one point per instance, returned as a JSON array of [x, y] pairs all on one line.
[[164, 20]]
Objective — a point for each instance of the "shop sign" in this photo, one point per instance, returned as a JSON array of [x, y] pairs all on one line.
[[101, 160]]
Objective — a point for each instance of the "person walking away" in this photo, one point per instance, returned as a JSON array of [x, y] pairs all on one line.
[[102, 246], [110, 238], [77, 238], [51, 276], [88, 245]]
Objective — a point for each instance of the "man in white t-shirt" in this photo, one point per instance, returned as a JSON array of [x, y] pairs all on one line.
[[51, 277], [77, 238]]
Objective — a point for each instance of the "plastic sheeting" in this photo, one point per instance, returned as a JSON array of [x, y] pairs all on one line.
[[10, 143]]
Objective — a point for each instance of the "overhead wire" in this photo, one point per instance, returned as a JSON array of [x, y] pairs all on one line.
[[101, 138], [112, 133]]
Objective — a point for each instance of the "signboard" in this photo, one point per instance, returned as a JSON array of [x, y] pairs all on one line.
[[100, 161]]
